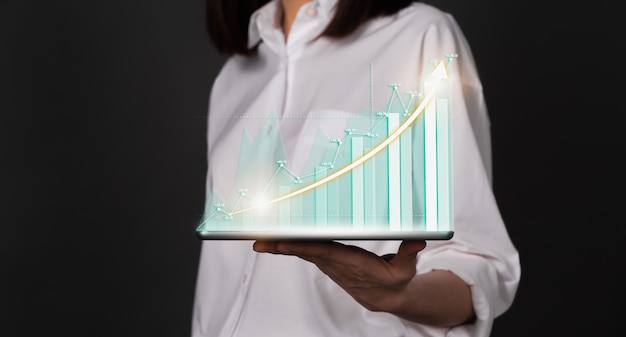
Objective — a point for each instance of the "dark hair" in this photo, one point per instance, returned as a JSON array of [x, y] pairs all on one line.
[[227, 20]]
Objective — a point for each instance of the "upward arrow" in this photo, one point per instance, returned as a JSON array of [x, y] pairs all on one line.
[[440, 71]]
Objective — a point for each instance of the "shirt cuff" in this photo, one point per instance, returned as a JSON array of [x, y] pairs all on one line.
[[482, 277]]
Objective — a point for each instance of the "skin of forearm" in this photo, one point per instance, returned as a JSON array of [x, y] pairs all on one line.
[[437, 298]]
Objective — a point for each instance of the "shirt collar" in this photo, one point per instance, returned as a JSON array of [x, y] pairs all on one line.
[[327, 6], [266, 17]]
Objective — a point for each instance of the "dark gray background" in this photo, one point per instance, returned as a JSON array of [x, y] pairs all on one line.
[[102, 161]]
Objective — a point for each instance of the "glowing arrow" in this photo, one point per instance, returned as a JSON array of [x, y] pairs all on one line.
[[439, 73]]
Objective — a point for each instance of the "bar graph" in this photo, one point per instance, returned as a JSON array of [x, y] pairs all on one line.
[[390, 170]]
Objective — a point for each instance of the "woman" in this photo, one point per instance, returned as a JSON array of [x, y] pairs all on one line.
[[295, 59]]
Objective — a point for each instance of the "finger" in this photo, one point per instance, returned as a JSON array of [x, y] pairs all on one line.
[[410, 248], [330, 252], [388, 257], [319, 252], [262, 246], [305, 248], [265, 246], [406, 257]]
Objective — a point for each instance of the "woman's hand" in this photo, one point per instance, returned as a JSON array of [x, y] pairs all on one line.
[[385, 283], [378, 283]]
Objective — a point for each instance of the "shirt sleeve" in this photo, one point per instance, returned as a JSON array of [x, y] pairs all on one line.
[[481, 251]]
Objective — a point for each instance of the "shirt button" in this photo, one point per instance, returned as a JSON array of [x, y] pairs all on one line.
[[244, 279], [311, 11]]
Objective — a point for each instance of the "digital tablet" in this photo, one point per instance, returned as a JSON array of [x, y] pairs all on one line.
[[354, 175]]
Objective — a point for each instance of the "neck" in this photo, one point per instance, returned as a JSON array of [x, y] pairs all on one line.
[[290, 10]]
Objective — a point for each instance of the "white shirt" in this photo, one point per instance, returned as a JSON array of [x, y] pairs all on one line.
[[243, 293]]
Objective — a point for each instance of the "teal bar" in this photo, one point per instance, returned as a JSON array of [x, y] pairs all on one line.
[[358, 212], [369, 193], [443, 165], [381, 184], [406, 179], [332, 209], [393, 177], [321, 199], [419, 176], [284, 209], [296, 212], [430, 165], [344, 218]]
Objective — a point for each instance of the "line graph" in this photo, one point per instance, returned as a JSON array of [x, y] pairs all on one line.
[[318, 198]]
